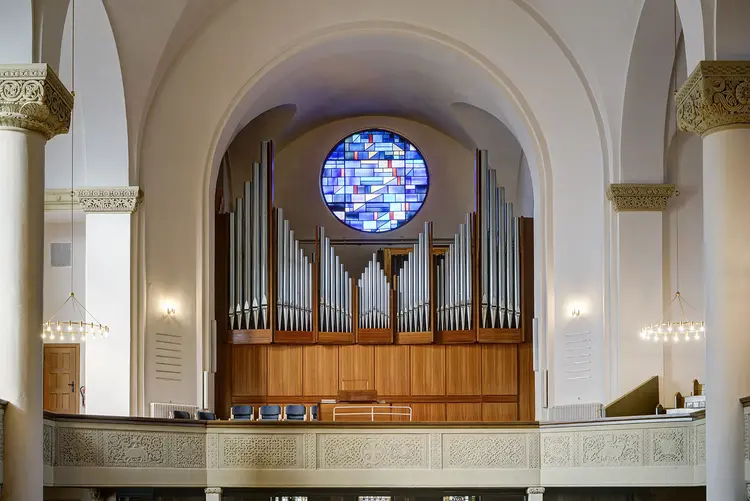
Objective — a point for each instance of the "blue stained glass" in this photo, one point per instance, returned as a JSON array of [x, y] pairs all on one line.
[[374, 181]]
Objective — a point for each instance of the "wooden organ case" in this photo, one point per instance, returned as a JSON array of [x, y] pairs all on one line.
[[443, 326]]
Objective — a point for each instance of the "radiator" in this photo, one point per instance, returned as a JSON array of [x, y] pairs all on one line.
[[576, 412], [162, 410]]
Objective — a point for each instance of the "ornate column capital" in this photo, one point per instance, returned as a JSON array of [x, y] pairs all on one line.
[[716, 96], [212, 490], [33, 98], [108, 200], [639, 197], [535, 490]]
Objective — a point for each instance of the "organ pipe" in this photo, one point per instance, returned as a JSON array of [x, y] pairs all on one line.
[[454, 281], [414, 282], [293, 280], [374, 304], [335, 289], [500, 282]]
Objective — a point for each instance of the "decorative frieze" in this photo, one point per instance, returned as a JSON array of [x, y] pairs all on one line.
[[111, 199], [470, 451], [33, 98], [715, 96], [639, 197], [373, 451]]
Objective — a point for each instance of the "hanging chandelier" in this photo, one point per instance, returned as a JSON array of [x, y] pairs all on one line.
[[674, 330], [79, 327], [683, 329]]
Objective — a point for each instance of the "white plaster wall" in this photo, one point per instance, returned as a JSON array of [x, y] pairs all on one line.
[[108, 294], [57, 285], [16, 32], [684, 362], [525, 191]]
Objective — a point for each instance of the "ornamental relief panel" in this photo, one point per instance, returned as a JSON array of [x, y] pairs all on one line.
[[375, 451], [611, 448], [558, 450], [126, 449], [700, 444], [260, 452], [667, 447], [484, 451], [48, 444]]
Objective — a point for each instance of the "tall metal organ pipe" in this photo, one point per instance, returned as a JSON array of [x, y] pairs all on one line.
[[500, 282], [414, 293], [335, 288]]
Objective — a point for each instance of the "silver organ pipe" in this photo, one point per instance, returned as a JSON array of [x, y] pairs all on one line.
[[335, 288], [454, 281], [500, 285], [238, 262], [247, 229], [232, 252], [266, 156], [414, 295], [374, 307], [255, 247], [294, 280]]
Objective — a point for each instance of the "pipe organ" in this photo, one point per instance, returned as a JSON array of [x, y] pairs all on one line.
[[374, 297], [335, 289], [467, 289]]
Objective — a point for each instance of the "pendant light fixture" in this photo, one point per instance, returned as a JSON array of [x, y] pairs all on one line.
[[683, 329], [82, 324]]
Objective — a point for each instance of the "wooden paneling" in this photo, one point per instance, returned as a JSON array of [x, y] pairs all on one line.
[[428, 370], [499, 369], [392, 370], [250, 364], [284, 370], [321, 370], [463, 370], [526, 382], [356, 367], [499, 412], [463, 412], [428, 412]]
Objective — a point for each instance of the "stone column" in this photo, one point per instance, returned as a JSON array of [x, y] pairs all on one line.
[[213, 493], [34, 107], [535, 493], [715, 103], [639, 294]]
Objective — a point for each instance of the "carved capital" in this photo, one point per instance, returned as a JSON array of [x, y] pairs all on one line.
[[535, 490], [33, 98], [109, 200], [213, 490], [715, 96], [639, 197]]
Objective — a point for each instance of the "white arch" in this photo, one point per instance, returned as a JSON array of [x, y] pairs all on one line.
[[539, 113]]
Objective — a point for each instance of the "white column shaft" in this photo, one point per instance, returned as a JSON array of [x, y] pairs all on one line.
[[640, 297], [726, 208], [213, 494], [108, 297], [21, 266]]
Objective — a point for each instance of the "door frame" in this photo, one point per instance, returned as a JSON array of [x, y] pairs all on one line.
[[77, 372]]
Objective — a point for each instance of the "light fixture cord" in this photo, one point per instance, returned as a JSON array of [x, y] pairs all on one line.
[[72, 138], [677, 167]]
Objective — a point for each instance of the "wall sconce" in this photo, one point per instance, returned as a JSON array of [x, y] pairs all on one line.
[[575, 313], [171, 311]]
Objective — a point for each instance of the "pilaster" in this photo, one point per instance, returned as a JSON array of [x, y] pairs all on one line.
[[638, 249]]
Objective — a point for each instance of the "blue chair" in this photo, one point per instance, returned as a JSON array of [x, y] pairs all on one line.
[[296, 412], [206, 416], [314, 413], [181, 415], [242, 412], [270, 412]]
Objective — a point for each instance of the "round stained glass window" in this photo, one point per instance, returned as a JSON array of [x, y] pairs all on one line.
[[374, 181]]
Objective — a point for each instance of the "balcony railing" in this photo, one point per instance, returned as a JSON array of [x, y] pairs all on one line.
[[646, 451]]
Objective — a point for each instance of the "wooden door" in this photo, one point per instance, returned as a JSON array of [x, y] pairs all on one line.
[[61, 373]]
